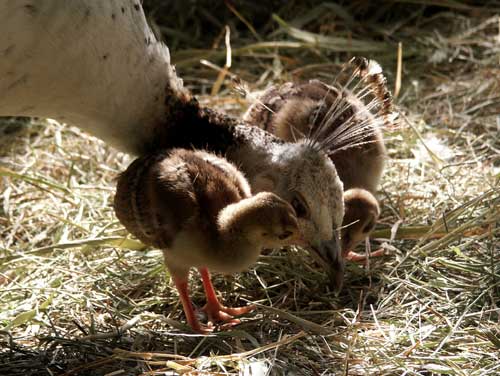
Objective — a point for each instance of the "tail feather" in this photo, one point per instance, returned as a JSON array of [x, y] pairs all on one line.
[[371, 72]]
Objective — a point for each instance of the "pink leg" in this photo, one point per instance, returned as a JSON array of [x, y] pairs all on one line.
[[182, 287], [216, 311], [361, 258]]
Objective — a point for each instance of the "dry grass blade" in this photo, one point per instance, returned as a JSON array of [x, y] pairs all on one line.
[[304, 324], [183, 364], [327, 42]]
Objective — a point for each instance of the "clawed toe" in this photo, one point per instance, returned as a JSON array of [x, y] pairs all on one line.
[[199, 328], [220, 313], [215, 311], [204, 329], [361, 258], [217, 316], [237, 311], [229, 324]]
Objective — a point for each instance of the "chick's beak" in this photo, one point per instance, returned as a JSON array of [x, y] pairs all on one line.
[[328, 254]]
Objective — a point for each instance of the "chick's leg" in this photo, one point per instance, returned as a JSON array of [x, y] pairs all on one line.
[[214, 309], [181, 282], [361, 258]]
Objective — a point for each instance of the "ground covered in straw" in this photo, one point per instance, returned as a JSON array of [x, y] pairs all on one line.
[[78, 296]]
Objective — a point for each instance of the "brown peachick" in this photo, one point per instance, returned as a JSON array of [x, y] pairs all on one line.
[[198, 208]]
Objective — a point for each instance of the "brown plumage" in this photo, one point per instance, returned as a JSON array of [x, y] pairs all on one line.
[[361, 214], [295, 110], [198, 208], [346, 127]]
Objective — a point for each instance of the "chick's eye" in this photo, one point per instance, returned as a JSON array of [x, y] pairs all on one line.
[[299, 207], [285, 235]]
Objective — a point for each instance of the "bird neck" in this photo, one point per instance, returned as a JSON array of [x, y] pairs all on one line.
[[191, 126]]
